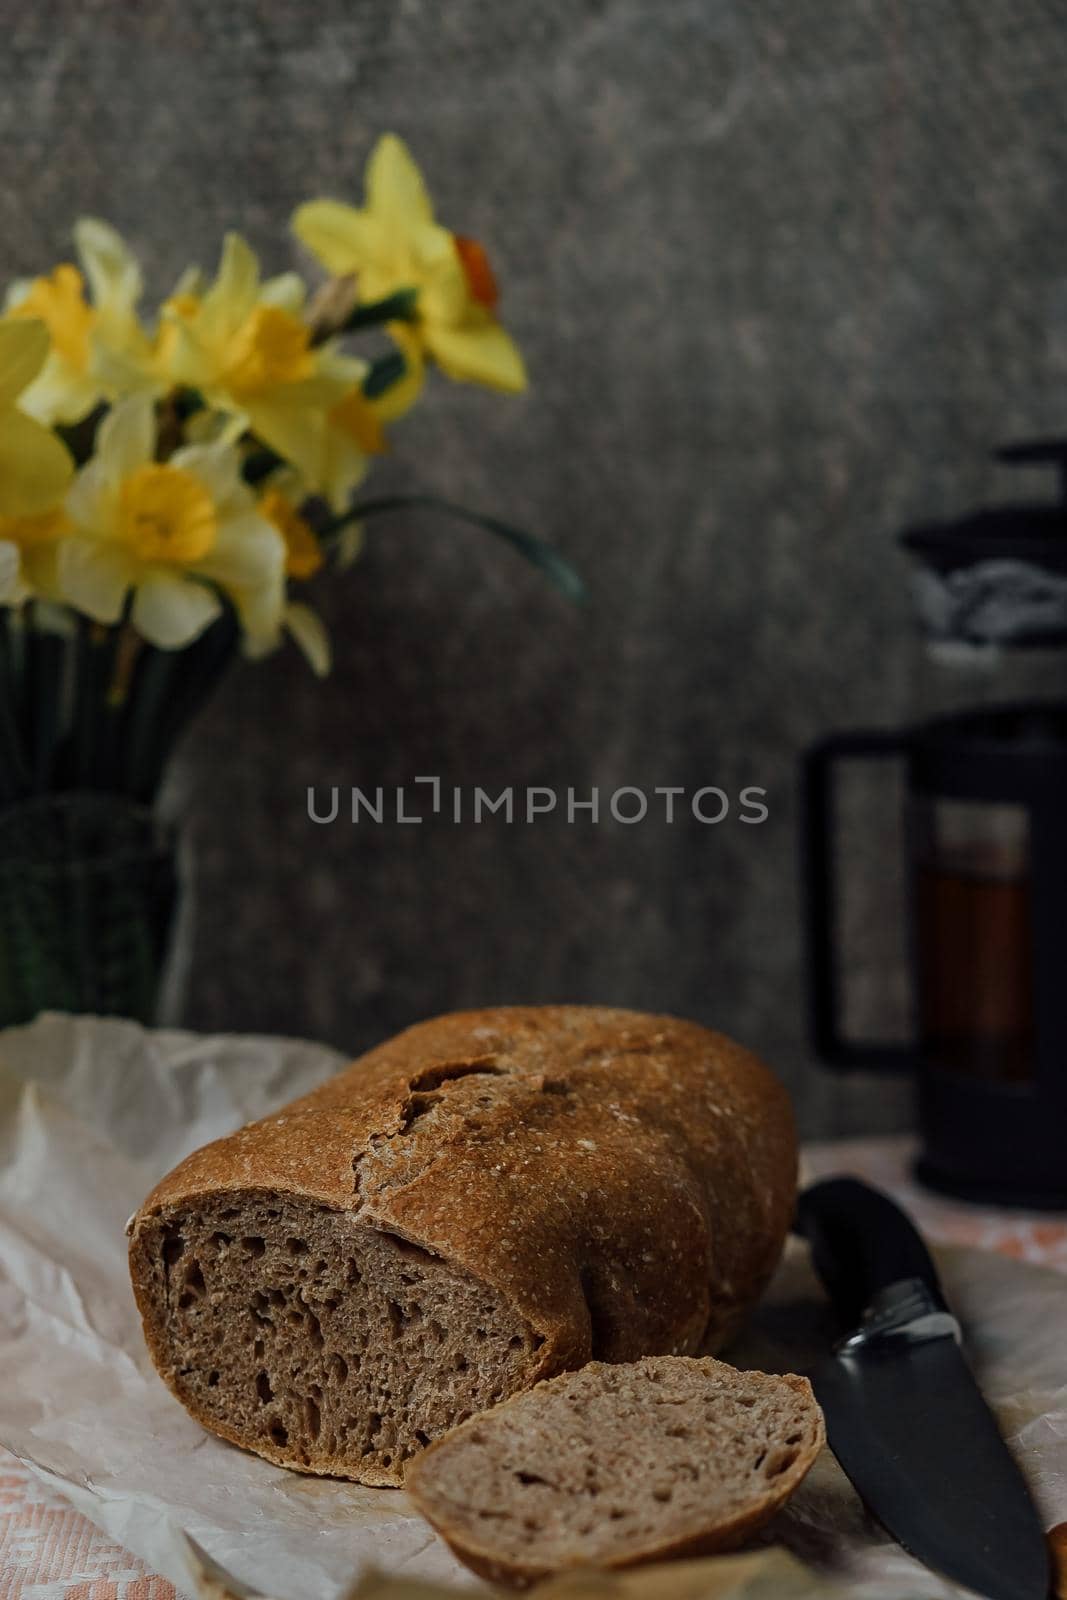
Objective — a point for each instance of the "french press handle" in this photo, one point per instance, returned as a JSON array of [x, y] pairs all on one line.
[[825, 987]]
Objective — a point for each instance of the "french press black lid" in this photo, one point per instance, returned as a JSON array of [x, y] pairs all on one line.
[[998, 576]]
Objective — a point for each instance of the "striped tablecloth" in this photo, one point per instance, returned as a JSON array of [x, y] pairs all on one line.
[[49, 1552]]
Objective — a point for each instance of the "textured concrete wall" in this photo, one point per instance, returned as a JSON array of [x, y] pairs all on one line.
[[783, 272]]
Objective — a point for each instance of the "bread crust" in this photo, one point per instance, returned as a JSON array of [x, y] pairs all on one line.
[[626, 1181]]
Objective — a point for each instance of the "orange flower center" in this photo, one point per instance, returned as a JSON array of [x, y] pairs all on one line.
[[477, 271], [167, 514], [271, 347]]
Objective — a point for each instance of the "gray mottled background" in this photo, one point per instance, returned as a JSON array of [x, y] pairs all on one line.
[[783, 273]]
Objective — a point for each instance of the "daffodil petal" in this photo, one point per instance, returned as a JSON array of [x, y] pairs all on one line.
[[309, 632], [350, 543], [40, 577], [395, 187], [294, 432], [342, 238], [112, 271], [248, 550], [94, 576], [59, 394], [260, 608], [10, 565], [233, 294], [91, 496], [190, 282], [322, 390], [345, 371], [185, 355], [35, 467], [218, 467], [24, 344], [17, 291], [344, 468], [171, 611], [55, 618], [401, 396], [116, 371], [286, 291], [127, 437], [482, 354], [444, 293]]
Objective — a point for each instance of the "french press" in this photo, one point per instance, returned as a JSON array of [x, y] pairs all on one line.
[[986, 843]]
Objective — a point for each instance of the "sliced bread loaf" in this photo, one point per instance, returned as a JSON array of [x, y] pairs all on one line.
[[612, 1466], [485, 1201]]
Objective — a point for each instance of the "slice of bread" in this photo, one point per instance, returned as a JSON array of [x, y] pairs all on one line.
[[612, 1466]]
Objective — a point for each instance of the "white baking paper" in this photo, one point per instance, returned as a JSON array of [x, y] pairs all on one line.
[[93, 1111]]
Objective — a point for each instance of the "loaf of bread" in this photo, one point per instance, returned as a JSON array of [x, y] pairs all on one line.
[[484, 1201], [614, 1466]]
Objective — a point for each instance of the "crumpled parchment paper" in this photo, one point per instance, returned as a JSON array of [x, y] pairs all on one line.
[[93, 1111]]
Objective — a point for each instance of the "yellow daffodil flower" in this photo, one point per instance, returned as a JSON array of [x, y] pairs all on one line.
[[98, 348], [173, 533], [303, 558], [35, 466], [29, 555], [309, 634], [245, 346], [303, 553], [35, 470], [393, 242]]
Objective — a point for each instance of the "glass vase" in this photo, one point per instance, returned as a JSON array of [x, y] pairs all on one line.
[[89, 894]]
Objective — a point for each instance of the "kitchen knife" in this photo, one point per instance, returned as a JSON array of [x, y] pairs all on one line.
[[904, 1415]]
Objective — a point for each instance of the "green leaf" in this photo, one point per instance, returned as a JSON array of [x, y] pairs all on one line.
[[535, 550], [402, 306], [383, 373]]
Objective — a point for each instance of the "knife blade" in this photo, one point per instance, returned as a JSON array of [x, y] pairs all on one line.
[[904, 1415]]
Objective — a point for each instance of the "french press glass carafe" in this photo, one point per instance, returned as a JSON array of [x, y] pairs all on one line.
[[986, 840]]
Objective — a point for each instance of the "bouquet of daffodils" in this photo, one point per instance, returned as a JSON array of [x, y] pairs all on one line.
[[166, 484]]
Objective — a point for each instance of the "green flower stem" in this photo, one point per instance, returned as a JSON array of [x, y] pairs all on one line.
[[14, 767], [168, 689], [153, 682], [383, 373], [45, 673], [401, 306], [117, 664], [99, 715], [536, 551], [206, 663]]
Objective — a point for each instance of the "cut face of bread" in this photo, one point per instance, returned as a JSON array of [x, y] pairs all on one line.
[[616, 1465], [320, 1342]]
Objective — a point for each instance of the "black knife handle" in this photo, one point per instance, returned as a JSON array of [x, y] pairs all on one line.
[[861, 1242]]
